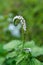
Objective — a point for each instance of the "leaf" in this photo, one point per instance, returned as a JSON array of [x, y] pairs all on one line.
[[10, 61], [12, 45], [23, 62], [36, 51], [2, 59], [42, 63], [2, 51], [19, 58], [29, 44], [35, 62], [12, 54]]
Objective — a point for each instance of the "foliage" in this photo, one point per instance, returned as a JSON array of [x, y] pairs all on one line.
[[16, 54]]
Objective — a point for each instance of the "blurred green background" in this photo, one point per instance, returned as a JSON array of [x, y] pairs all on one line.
[[31, 10]]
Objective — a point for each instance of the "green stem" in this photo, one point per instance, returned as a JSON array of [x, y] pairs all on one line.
[[23, 38]]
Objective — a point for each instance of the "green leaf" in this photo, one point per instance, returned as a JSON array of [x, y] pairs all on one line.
[[12, 45], [23, 62], [36, 50], [19, 58], [29, 44], [11, 55], [2, 59], [35, 62], [10, 61], [2, 51], [42, 63]]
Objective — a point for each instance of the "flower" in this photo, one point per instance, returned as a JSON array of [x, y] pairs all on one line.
[[22, 21], [27, 50]]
